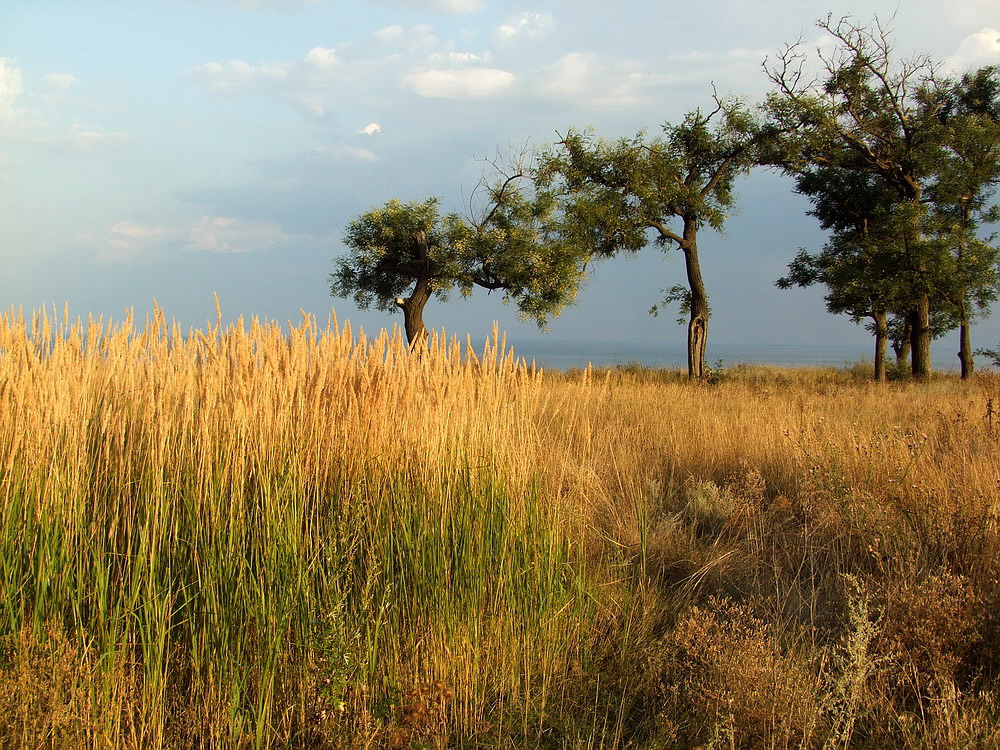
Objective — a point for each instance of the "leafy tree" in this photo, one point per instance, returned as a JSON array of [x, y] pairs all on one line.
[[872, 117], [402, 254], [962, 197], [929, 147], [618, 193], [860, 254]]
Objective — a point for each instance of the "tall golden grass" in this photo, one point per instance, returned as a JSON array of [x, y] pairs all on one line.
[[256, 536]]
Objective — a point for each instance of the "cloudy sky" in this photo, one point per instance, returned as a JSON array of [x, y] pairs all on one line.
[[171, 149]]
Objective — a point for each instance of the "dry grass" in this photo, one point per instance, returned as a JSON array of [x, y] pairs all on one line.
[[250, 537]]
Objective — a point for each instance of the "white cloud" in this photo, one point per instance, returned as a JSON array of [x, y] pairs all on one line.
[[126, 240], [975, 51], [11, 87], [526, 25], [40, 115], [60, 80], [371, 128], [323, 77], [471, 83], [236, 76], [590, 80], [223, 234], [457, 6], [459, 58], [449, 6], [133, 231], [321, 57], [348, 153]]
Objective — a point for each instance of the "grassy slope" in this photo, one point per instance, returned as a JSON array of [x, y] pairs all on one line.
[[245, 538]]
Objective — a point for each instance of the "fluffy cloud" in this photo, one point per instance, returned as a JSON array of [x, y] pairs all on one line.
[[323, 76], [469, 83], [223, 234], [371, 128], [370, 68], [459, 58], [526, 25], [126, 240], [134, 231], [457, 6], [237, 76], [44, 115], [60, 80], [975, 51], [590, 80]]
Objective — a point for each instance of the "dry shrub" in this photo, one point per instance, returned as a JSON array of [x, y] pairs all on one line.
[[705, 536], [928, 630], [726, 510], [730, 673]]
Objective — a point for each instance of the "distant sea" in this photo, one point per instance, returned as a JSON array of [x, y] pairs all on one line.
[[554, 354]]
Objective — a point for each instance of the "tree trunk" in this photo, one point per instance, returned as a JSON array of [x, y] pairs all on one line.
[[901, 346], [920, 338], [413, 312], [964, 335], [965, 347], [697, 336], [881, 339]]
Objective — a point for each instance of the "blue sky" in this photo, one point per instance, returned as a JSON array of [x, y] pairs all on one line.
[[171, 149]]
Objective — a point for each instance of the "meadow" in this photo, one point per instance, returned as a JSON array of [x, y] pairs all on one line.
[[259, 536]]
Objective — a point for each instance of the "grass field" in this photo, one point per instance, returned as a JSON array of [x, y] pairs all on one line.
[[272, 538]]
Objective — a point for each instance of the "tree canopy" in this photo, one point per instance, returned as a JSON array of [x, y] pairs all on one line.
[[402, 254]]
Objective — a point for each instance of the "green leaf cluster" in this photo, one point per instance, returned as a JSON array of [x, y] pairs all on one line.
[[515, 247]]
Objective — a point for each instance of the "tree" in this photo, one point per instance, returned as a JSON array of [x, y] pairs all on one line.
[[616, 193], [930, 145], [962, 197], [861, 254], [873, 117], [402, 254]]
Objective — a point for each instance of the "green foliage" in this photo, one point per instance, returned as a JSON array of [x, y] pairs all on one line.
[[515, 246], [618, 191], [992, 354], [900, 167], [386, 255], [675, 294]]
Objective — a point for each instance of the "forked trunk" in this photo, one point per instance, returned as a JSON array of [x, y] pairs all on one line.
[[413, 312], [697, 338], [920, 338]]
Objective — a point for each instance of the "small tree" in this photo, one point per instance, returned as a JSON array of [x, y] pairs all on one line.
[[402, 254], [962, 197], [859, 263], [616, 193]]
